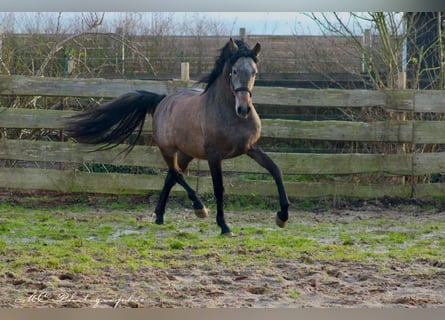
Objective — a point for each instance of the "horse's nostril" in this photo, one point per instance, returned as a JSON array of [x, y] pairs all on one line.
[[243, 111]]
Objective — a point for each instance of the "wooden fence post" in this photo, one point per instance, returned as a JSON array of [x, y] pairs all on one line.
[[242, 33], [401, 80], [185, 71], [1, 41], [401, 116], [2, 63], [366, 54]]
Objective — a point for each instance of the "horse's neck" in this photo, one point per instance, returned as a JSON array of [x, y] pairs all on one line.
[[219, 94]]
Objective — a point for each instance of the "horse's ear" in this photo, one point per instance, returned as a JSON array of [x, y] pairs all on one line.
[[257, 49], [233, 47]]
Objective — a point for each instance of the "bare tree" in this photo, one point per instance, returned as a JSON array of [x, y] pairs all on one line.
[[384, 47], [395, 45], [92, 21], [425, 49]]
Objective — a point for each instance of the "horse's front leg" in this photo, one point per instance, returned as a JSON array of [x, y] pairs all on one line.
[[257, 154], [218, 190]]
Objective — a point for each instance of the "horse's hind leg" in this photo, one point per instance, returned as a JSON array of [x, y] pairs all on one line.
[[183, 162], [170, 158], [175, 164], [170, 181]]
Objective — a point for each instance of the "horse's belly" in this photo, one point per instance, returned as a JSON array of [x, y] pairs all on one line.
[[192, 146]]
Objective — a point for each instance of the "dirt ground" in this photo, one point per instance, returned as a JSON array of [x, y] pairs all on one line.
[[287, 283], [325, 285]]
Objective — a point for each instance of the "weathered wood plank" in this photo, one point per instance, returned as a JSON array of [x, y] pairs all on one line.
[[297, 97], [378, 131], [429, 101], [21, 118], [428, 163], [339, 190], [70, 152], [145, 156], [400, 100], [73, 181], [429, 132], [96, 87], [319, 98], [428, 191], [309, 189], [385, 131], [312, 164]]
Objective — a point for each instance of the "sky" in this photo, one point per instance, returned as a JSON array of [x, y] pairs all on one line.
[[278, 23], [273, 23]]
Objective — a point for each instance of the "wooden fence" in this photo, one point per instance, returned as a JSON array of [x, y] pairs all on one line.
[[68, 178]]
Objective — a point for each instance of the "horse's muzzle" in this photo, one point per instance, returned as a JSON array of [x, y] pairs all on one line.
[[243, 105], [243, 111]]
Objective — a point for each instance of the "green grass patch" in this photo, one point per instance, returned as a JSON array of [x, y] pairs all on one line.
[[85, 238]]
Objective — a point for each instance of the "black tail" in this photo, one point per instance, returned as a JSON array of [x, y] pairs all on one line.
[[111, 123]]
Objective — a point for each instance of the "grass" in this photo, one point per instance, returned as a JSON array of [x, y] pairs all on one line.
[[85, 238]]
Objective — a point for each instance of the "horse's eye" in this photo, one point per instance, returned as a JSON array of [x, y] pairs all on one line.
[[234, 72]]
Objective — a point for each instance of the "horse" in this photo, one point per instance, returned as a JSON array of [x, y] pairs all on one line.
[[215, 123]]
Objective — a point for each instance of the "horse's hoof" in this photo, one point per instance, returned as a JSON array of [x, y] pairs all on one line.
[[280, 222], [229, 234], [202, 213]]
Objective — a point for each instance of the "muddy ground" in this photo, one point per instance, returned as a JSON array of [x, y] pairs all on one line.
[[286, 283], [337, 284]]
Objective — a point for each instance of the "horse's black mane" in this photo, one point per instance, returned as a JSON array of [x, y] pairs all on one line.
[[225, 56]]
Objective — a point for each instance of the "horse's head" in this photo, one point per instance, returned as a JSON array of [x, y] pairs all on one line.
[[237, 67], [243, 70]]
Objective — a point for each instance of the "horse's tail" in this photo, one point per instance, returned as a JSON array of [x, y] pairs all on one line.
[[113, 122]]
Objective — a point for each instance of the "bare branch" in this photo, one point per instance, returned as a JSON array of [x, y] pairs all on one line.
[[93, 19]]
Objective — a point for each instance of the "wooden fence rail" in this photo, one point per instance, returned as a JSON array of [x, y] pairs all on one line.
[[242, 177]]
